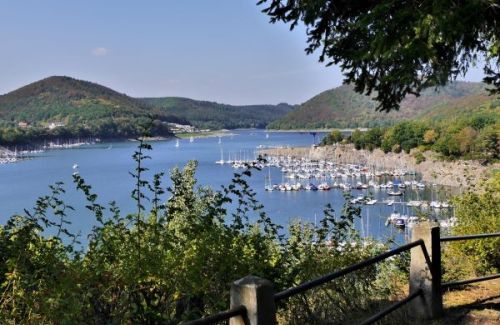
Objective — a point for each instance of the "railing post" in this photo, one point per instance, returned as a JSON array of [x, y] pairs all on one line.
[[257, 295], [430, 304]]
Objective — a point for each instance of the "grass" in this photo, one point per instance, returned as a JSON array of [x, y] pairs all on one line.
[[477, 303]]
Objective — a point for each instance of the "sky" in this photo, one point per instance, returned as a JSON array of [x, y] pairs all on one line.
[[216, 50]]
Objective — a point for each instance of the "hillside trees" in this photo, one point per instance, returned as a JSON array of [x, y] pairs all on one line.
[[211, 115], [105, 128], [476, 136], [334, 137], [395, 48], [477, 212]]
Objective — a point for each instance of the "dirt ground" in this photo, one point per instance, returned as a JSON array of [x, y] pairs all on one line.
[[477, 303]]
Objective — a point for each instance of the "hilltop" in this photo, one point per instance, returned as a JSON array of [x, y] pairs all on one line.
[[62, 107], [343, 107], [211, 115], [68, 100]]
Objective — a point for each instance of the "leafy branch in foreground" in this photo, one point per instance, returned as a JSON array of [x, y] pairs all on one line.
[[395, 48]]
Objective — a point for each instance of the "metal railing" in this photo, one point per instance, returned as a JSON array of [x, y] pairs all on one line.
[[219, 317], [450, 284], [332, 276], [431, 295], [469, 237]]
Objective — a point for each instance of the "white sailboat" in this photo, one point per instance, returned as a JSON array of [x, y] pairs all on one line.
[[191, 139], [268, 186], [177, 143], [220, 140], [221, 161]]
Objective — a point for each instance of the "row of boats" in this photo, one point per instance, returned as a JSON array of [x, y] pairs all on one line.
[[15, 155], [344, 176], [402, 221], [323, 175], [391, 188], [8, 160]]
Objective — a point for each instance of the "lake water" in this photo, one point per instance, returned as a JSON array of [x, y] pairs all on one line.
[[106, 167]]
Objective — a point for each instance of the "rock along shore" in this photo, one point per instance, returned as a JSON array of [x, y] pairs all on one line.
[[459, 173]]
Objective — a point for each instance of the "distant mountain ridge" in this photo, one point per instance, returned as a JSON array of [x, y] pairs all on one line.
[[77, 102], [342, 107], [211, 115], [71, 101]]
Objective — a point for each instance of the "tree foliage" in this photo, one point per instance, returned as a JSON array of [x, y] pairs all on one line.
[[334, 137], [476, 136], [342, 107], [214, 116], [395, 48], [476, 213]]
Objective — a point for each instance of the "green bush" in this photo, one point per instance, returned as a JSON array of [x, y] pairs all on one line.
[[476, 213], [419, 157]]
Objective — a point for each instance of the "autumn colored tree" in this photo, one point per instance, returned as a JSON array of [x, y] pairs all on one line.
[[430, 136]]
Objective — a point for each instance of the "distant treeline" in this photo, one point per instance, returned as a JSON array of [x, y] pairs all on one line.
[[107, 128], [473, 137], [214, 116]]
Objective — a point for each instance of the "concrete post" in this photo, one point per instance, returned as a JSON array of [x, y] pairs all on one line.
[[257, 295], [430, 304]]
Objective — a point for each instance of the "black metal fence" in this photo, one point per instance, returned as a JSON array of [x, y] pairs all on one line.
[[433, 267], [219, 317], [447, 285]]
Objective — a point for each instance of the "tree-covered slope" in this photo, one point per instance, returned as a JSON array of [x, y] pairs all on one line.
[[342, 107], [79, 109], [66, 99], [204, 114]]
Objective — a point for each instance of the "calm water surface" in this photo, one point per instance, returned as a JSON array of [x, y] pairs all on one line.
[[106, 167]]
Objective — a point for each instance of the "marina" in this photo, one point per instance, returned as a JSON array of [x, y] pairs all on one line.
[[377, 186]]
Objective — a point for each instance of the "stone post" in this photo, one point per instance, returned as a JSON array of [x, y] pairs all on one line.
[[257, 295], [430, 304]]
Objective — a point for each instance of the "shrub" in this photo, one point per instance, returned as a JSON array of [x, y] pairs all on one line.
[[419, 157], [476, 213]]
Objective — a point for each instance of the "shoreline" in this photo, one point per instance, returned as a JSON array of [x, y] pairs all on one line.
[[459, 173], [207, 134], [344, 130]]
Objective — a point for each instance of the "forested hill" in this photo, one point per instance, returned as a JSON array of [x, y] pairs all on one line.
[[68, 100], [74, 108], [211, 115], [342, 107]]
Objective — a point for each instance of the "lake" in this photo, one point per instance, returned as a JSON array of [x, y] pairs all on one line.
[[106, 167]]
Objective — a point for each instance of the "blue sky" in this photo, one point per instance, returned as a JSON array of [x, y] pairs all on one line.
[[218, 50]]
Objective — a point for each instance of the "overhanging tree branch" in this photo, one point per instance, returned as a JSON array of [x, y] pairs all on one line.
[[394, 48]]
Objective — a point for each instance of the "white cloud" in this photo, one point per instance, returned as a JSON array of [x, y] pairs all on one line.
[[100, 51]]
